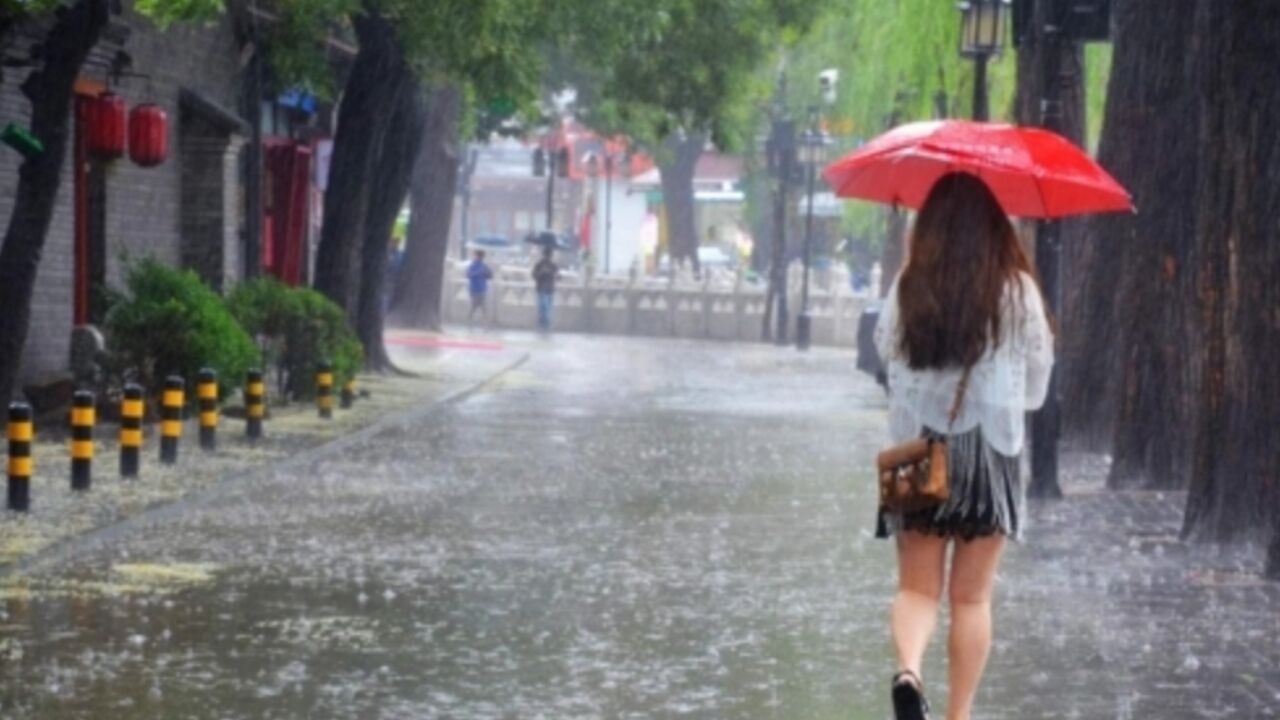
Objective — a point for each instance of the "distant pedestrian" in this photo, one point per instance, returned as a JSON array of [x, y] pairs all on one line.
[[544, 279], [969, 349], [478, 277]]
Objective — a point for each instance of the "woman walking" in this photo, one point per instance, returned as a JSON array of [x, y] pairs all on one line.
[[968, 347]]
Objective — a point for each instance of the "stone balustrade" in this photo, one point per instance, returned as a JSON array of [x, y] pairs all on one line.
[[721, 306]]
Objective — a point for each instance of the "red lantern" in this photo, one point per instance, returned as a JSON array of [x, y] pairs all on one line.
[[148, 135], [107, 127]]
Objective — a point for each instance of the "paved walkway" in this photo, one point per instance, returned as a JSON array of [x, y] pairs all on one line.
[[618, 529]]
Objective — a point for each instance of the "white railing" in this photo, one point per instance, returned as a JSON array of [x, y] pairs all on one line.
[[721, 306]]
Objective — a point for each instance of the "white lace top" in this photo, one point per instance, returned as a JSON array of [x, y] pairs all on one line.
[[1010, 379]]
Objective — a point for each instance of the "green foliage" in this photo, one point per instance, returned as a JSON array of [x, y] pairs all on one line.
[[1097, 72], [169, 322], [896, 60], [299, 327], [650, 68], [489, 46], [164, 12], [19, 8], [298, 57]]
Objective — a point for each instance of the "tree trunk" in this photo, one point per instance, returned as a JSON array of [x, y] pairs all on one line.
[[1139, 326], [417, 297], [676, 168], [1234, 481], [49, 88], [392, 171], [363, 116]]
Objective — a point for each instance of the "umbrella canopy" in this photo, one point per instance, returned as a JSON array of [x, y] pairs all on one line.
[[548, 239], [1032, 172]]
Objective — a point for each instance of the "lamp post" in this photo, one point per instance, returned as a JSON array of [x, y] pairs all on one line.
[[551, 188], [982, 31], [608, 206], [1046, 423], [813, 146], [464, 190], [593, 171]]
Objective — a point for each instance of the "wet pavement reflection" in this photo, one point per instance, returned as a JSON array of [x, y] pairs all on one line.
[[618, 529]]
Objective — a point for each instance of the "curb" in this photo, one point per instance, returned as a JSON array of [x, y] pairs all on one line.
[[67, 548]]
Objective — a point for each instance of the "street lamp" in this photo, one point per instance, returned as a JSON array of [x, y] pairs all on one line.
[[982, 31], [593, 172], [608, 206], [812, 153]]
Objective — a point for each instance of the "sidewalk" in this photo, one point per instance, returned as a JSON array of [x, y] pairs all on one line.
[[1105, 613], [58, 514]]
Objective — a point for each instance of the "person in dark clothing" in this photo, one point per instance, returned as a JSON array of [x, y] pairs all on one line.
[[544, 278], [478, 277]]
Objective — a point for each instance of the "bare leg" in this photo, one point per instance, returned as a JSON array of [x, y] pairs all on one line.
[[973, 573], [921, 571]]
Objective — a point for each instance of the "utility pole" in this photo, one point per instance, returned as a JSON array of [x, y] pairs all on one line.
[[551, 187], [810, 139], [980, 111]]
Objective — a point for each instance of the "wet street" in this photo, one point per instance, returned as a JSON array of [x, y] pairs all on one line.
[[616, 529]]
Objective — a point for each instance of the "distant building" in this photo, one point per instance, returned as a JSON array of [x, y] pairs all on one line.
[[602, 215], [719, 204]]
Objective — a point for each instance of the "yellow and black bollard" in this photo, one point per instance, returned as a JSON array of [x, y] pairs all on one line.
[[207, 392], [83, 416], [324, 389], [171, 418], [131, 430], [255, 404], [349, 393], [20, 463]]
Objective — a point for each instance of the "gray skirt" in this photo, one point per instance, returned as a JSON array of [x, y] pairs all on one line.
[[986, 497]]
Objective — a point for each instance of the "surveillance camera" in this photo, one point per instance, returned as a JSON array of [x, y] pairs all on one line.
[[827, 80]]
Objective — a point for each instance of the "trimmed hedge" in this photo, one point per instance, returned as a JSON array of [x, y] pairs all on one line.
[[298, 327]]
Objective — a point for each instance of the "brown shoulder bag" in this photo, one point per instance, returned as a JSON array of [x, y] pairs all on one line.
[[913, 475]]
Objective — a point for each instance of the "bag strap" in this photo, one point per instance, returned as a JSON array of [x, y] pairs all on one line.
[[961, 389]]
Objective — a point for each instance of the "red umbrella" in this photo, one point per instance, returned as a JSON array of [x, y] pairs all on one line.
[[1032, 172]]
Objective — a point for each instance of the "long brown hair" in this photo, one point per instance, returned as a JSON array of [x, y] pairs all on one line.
[[963, 254]]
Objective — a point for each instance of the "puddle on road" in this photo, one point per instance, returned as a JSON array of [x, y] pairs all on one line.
[[122, 579]]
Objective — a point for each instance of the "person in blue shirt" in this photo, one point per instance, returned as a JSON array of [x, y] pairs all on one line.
[[478, 277]]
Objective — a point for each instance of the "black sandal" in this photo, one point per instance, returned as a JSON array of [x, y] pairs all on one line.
[[908, 697]]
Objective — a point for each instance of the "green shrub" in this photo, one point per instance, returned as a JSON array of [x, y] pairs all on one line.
[[169, 322], [298, 327]]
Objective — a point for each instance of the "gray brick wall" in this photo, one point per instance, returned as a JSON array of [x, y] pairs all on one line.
[[144, 205]]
